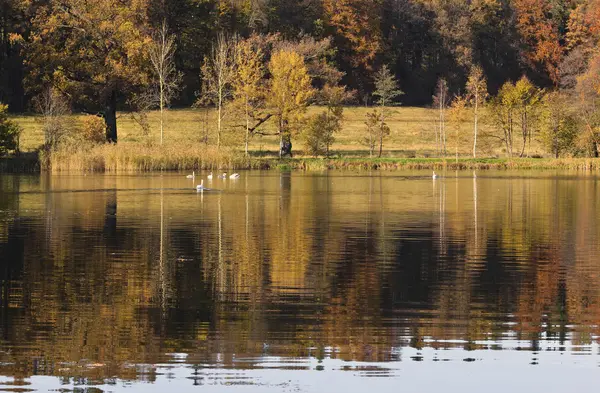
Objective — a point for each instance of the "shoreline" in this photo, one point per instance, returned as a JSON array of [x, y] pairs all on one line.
[[32, 163]]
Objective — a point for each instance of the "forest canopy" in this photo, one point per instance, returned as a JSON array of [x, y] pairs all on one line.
[[420, 40], [96, 54]]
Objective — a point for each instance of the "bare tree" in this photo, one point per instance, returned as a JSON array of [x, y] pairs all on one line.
[[168, 79], [441, 100], [53, 107], [477, 90], [218, 73]]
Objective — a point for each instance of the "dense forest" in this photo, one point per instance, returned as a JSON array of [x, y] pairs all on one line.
[[97, 53]]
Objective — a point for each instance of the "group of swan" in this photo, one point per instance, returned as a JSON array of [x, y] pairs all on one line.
[[221, 176], [200, 187]]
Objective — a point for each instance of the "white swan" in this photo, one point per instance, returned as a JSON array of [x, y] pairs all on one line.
[[223, 176], [200, 187], [210, 176], [434, 176], [235, 176], [192, 176]]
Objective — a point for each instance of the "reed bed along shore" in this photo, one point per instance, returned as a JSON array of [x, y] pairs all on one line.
[[136, 158]]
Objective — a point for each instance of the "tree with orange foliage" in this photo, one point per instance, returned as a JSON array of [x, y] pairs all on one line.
[[540, 38], [356, 27]]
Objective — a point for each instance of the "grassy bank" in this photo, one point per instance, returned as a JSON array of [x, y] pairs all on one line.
[[131, 158], [189, 146]]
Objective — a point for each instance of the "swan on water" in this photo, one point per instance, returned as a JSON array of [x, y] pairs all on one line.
[[434, 176], [235, 176], [223, 176], [200, 187], [210, 176], [192, 176]]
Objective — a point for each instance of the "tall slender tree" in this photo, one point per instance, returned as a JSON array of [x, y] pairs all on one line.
[[386, 89], [218, 74], [477, 94], [248, 87], [441, 100], [167, 79]]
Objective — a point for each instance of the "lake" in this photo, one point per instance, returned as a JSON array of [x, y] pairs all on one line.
[[300, 282]]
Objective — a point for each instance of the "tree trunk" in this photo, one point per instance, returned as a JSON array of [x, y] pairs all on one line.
[[110, 118], [219, 109], [285, 139], [162, 105], [247, 126], [285, 145], [475, 126], [381, 128], [524, 144]]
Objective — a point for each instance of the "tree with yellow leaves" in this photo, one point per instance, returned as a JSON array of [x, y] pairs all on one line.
[[94, 51], [290, 94], [248, 87]]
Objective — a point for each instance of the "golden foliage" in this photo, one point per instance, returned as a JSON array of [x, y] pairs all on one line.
[[290, 89], [357, 22]]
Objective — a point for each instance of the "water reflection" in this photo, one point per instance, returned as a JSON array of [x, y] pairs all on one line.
[[114, 278]]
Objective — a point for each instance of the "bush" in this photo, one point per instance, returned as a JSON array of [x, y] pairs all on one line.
[[319, 133], [93, 129], [9, 132], [54, 108]]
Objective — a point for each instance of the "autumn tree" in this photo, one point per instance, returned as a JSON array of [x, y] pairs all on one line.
[[440, 103], [458, 114], [528, 99], [355, 26], [248, 87], [9, 132], [377, 130], [218, 74], [587, 94], [386, 89], [166, 79], [477, 94], [502, 110], [92, 51], [558, 123], [539, 36], [322, 127], [290, 92]]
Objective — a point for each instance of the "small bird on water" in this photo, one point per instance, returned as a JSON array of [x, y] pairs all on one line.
[[223, 176], [235, 176], [192, 176], [200, 187]]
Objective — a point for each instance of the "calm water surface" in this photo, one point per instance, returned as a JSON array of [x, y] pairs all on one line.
[[282, 282]]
